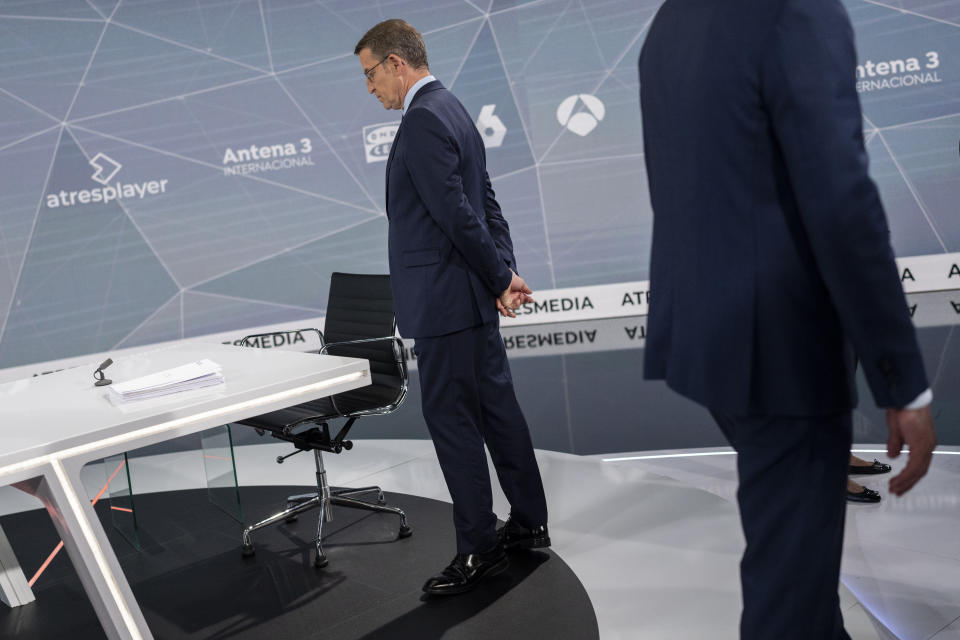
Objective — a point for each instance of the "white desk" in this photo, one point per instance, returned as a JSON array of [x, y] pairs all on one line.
[[51, 426]]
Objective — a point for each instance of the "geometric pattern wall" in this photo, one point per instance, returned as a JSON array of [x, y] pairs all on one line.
[[172, 168]]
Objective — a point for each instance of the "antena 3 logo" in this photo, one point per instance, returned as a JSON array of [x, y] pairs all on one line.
[[268, 157], [583, 120], [377, 139], [105, 170]]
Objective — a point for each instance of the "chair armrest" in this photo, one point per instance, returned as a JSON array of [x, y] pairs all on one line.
[[245, 341], [397, 341], [399, 360]]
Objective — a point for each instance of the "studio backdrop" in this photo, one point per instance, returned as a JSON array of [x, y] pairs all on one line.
[[179, 168]]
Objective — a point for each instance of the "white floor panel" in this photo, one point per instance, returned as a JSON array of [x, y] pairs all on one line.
[[659, 559], [900, 555], [656, 541]]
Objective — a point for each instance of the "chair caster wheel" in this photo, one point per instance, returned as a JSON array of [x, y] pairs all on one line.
[[291, 519], [405, 531], [320, 562], [247, 550]]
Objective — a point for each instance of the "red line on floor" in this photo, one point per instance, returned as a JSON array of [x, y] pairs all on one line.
[[56, 550], [46, 562]]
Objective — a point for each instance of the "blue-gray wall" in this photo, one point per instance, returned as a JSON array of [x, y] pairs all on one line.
[[164, 88]]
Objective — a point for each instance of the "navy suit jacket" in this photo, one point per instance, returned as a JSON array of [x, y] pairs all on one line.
[[771, 255], [449, 245]]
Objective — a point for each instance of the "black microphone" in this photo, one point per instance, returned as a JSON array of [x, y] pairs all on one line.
[[98, 374]]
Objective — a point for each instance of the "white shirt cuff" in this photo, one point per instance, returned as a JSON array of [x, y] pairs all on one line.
[[921, 401]]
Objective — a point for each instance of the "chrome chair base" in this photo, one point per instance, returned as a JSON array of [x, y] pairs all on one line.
[[325, 498]]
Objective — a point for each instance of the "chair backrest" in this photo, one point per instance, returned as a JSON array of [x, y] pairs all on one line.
[[360, 306]]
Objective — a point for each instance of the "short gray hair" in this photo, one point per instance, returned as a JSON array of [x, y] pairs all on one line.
[[395, 36]]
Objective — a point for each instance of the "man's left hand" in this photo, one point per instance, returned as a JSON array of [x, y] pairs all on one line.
[[516, 295]]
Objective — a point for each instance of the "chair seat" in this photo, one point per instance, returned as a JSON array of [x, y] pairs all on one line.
[[376, 395], [366, 398], [275, 421]]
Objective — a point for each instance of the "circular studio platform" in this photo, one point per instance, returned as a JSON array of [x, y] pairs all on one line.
[[191, 580]]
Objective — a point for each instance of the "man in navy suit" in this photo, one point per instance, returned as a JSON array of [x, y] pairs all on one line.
[[771, 266], [452, 270]]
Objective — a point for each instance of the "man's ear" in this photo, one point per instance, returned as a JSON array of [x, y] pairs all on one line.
[[396, 61]]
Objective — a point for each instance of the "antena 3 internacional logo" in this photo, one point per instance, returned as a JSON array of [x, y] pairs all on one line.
[[899, 73], [258, 158], [105, 170]]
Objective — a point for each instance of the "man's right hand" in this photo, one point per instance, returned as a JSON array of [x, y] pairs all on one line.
[[915, 428]]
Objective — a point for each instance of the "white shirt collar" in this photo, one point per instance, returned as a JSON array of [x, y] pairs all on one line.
[[407, 99]]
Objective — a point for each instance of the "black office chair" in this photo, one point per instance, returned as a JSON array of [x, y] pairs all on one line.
[[360, 324]]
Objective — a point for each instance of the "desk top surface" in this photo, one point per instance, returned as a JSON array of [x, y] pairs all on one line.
[[53, 413]]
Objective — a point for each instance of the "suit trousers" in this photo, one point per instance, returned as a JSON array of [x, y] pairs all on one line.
[[792, 497], [468, 399]]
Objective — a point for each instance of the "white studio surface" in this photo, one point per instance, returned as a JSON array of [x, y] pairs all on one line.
[[51, 426]]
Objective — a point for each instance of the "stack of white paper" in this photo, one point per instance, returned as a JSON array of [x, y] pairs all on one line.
[[195, 375]]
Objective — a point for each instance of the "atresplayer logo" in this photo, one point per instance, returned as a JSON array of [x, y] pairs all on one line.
[[106, 169], [585, 121], [100, 162]]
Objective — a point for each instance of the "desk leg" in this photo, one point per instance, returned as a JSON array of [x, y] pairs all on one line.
[[14, 589], [85, 541]]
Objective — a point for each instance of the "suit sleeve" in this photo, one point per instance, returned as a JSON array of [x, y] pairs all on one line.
[[498, 226], [808, 89], [435, 173]]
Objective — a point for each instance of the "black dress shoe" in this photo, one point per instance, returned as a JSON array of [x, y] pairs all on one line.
[[513, 535], [867, 495], [875, 467], [466, 571]]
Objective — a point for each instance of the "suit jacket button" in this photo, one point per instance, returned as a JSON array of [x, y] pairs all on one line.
[[889, 371]]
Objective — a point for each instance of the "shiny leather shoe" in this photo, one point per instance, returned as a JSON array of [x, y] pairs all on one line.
[[875, 467], [466, 571], [513, 535], [867, 495]]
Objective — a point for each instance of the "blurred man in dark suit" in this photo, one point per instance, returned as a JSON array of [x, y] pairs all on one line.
[[771, 265], [452, 269]]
